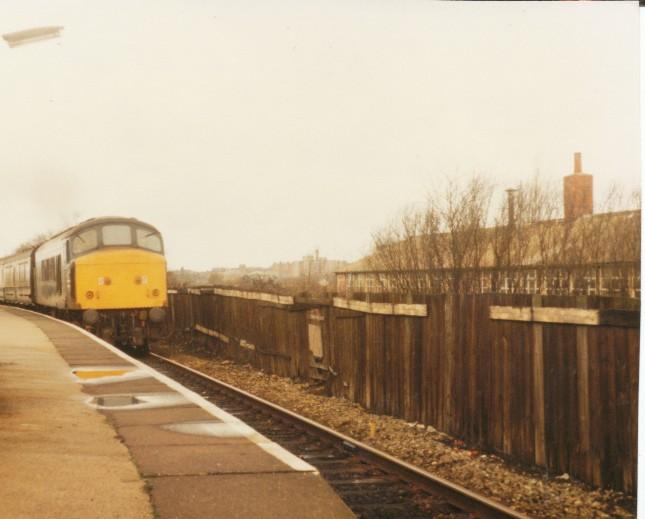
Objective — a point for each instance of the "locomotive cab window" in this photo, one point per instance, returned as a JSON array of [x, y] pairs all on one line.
[[85, 241], [117, 235], [148, 239], [114, 235]]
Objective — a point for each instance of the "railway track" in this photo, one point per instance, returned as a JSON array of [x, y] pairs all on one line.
[[372, 483]]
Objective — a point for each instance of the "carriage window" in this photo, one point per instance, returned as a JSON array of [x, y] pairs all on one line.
[[87, 240], [117, 235], [50, 271], [8, 276], [59, 276], [22, 272], [149, 239]]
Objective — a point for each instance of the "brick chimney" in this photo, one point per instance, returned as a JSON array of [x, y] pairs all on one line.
[[578, 191], [510, 193]]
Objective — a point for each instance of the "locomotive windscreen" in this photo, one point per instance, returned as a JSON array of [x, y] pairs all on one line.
[[116, 235]]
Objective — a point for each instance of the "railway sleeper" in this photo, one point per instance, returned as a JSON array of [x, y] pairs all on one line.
[[358, 499], [315, 456], [279, 431], [385, 493], [234, 410], [387, 510], [315, 446], [346, 475], [289, 439], [333, 464], [369, 483]]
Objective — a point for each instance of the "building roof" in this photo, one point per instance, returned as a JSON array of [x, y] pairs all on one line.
[[593, 238]]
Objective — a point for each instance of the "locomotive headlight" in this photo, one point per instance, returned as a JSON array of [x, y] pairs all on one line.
[[141, 280], [155, 292], [90, 316], [89, 294], [157, 315], [104, 280]]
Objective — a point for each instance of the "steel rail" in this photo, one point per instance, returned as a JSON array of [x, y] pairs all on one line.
[[458, 496]]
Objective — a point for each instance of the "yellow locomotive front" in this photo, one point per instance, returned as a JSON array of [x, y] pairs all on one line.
[[117, 277]]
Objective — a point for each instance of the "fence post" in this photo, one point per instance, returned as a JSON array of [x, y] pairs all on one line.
[[538, 389], [584, 411], [448, 374]]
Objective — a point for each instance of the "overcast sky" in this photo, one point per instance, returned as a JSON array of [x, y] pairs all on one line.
[[253, 132]]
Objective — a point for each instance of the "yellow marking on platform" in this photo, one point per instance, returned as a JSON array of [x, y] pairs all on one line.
[[99, 374]]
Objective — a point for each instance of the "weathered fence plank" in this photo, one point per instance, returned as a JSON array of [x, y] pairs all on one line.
[[538, 395]]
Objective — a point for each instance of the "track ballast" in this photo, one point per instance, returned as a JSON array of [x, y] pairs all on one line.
[[372, 483]]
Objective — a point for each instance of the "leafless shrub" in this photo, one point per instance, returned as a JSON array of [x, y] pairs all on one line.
[[36, 240]]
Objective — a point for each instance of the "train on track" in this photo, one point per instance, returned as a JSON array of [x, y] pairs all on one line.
[[107, 273]]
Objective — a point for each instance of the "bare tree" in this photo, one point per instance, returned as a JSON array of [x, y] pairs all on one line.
[[445, 246], [464, 213], [448, 235], [622, 237], [397, 251], [36, 240], [526, 230]]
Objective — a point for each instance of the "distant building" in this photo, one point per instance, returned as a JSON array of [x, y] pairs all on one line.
[[317, 266], [548, 265], [286, 269], [312, 267]]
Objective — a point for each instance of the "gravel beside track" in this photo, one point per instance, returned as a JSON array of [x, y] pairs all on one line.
[[531, 492]]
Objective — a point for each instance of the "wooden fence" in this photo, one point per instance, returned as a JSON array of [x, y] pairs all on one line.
[[550, 381], [621, 279]]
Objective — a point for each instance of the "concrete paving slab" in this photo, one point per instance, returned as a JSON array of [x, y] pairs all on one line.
[[87, 356], [68, 339], [248, 496], [69, 354], [172, 460], [159, 435], [157, 416], [65, 348], [84, 361], [128, 402], [142, 385], [82, 351], [69, 345]]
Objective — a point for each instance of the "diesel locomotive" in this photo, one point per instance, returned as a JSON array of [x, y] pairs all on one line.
[[108, 273]]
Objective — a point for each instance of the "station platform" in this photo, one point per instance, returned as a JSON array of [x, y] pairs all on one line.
[[87, 431]]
